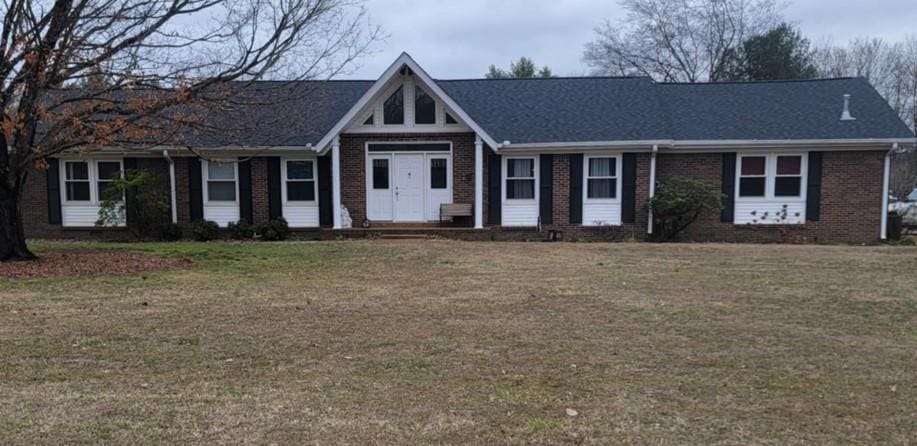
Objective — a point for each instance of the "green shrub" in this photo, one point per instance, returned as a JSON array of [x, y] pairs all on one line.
[[142, 198], [678, 202], [241, 230], [205, 230], [171, 232], [275, 230]]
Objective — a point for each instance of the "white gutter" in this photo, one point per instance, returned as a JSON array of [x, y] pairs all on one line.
[[649, 224], [165, 154], [704, 144], [885, 180]]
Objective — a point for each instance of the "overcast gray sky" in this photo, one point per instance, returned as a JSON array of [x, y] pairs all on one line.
[[461, 38]]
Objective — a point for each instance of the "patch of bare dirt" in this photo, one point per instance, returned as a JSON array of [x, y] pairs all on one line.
[[86, 263]]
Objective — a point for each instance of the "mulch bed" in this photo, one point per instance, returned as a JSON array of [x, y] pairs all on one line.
[[87, 263]]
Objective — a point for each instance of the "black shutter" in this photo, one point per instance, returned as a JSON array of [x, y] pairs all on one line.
[[275, 209], [245, 190], [53, 174], [813, 187], [629, 188], [196, 197], [325, 218], [576, 189], [727, 215], [130, 195], [494, 189], [546, 203]]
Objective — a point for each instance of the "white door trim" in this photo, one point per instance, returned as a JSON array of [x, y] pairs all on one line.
[[392, 156]]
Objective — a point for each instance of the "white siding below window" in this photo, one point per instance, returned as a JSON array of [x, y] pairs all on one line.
[[601, 214], [436, 198], [301, 216], [79, 216], [222, 215], [770, 212], [520, 214]]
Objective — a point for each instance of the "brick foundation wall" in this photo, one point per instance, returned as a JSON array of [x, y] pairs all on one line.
[[851, 200], [850, 211]]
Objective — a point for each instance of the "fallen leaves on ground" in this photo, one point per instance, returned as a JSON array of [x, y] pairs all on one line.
[[86, 263]]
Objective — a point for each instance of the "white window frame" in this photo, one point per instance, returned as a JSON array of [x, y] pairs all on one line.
[[205, 181], [618, 167], [287, 180], [535, 173], [92, 166], [429, 160], [770, 176]]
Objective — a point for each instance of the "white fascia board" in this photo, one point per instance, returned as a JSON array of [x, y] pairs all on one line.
[[584, 145], [788, 143], [403, 60]]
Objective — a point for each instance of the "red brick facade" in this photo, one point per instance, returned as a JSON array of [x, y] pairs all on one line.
[[850, 196], [851, 200]]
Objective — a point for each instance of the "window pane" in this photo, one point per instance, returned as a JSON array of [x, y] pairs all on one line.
[[221, 171], [424, 107], [299, 170], [102, 187], [109, 170], [78, 191], [380, 174], [604, 188], [520, 189], [370, 120], [438, 173], [602, 167], [520, 168], [221, 190], [753, 165], [300, 191], [450, 119], [393, 110], [787, 186], [789, 165], [77, 171], [751, 187]]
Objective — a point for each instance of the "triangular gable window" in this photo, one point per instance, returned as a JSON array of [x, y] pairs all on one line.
[[450, 119], [370, 120], [424, 107], [393, 110]]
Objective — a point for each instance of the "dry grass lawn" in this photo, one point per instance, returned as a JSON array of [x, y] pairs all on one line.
[[485, 343]]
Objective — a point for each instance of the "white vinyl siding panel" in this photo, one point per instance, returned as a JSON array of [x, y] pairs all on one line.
[[300, 214], [771, 209], [520, 212], [84, 214], [602, 211], [221, 212], [770, 212], [221, 215]]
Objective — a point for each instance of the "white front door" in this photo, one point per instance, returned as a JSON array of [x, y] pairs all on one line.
[[409, 183]]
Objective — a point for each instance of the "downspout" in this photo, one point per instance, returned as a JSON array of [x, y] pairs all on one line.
[[165, 154], [649, 223], [885, 180]]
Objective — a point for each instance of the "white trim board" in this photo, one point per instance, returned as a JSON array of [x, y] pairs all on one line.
[[404, 60]]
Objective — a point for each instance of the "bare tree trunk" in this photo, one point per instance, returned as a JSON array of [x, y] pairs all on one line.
[[12, 234]]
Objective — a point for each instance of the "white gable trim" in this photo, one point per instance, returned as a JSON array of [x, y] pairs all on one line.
[[403, 60]]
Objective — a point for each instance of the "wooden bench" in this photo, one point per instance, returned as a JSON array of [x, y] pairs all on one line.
[[449, 210]]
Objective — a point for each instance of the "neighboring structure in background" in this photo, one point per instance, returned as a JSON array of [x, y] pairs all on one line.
[[795, 160]]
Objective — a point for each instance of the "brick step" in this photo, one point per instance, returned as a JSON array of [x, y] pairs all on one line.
[[405, 236]]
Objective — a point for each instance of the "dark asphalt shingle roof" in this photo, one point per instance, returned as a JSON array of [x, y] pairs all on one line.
[[562, 109], [779, 110], [558, 110]]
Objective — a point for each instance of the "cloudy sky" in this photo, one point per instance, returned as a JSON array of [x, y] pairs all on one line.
[[461, 38]]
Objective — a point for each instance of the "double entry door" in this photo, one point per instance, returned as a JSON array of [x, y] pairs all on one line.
[[407, 187]]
